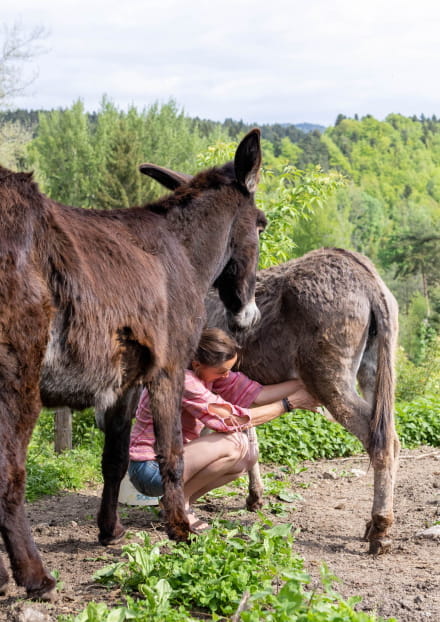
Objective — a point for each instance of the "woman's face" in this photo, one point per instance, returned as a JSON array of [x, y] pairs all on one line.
[[208, 373]]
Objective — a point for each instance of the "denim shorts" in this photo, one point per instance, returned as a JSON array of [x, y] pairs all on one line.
[[145, 477]]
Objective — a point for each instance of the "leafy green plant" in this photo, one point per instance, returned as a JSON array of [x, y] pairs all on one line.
[[414, 381], [288, 196], [418, 422], [48, 472], [212, 572], [294, 603], [302, 435], [213, 575]]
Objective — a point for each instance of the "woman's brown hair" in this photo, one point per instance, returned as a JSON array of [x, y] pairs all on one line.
[[215, 347]]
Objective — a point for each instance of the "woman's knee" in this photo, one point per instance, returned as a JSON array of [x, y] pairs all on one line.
[[239, 444], [244, 454]]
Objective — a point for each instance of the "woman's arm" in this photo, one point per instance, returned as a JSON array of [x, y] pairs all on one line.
[[272, 392], [299, 398]]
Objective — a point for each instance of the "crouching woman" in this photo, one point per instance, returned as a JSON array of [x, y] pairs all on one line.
[[227, 402]]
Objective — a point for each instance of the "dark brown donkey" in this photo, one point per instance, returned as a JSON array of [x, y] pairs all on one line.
[[94, 302], [329, 319]]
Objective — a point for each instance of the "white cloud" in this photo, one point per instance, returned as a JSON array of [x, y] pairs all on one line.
[[284, 60]]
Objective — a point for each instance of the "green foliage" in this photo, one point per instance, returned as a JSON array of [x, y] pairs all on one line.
[[48, 472], [420, 380], [290, 197], [413, 326], [211, 573], [418, 422], [294, 603], [93, 161], [14, 138], [63, 157], [287, 195], [209, 577], [302, 435], [396, 164]]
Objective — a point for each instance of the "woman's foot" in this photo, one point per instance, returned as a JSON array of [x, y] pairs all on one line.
[[196, 524]]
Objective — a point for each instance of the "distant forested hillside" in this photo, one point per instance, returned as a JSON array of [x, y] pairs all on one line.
[[388, 206]]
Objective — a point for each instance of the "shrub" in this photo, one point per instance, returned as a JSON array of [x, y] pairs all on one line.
[[418, 422], [303, 435]]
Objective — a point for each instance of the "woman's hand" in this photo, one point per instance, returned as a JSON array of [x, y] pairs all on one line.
[[224, 413], [301, 398]]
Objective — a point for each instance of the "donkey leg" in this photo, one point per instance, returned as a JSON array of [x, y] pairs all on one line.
[[354, 414], [385, 466], [117, 423], [166, 403], [4, 579], [382, 516], [26, 564], [254, 500], [19, 409]]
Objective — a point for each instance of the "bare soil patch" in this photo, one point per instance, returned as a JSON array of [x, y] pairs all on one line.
[[330, 518]]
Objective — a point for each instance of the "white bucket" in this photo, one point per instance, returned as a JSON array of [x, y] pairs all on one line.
[[130, 496]]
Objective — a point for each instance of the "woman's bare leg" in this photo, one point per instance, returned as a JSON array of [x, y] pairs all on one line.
[[213, 460]]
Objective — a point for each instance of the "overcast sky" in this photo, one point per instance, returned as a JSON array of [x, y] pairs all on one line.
[[263, 62]]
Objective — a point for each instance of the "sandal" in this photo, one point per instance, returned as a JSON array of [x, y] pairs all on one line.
[[197, 525]]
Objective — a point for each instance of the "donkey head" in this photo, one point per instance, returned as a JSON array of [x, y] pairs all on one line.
[[236, 283], [237, 181]]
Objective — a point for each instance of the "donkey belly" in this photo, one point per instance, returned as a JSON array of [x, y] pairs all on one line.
[[81, 379]]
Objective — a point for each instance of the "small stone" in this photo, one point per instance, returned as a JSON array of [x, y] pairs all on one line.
[[340, 506], [358, 472], [42, 528], [418, 600], [73, 523], [329, 475], [432, 533], [28, 614]]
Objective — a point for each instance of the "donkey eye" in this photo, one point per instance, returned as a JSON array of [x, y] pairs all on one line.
[[261, 223]]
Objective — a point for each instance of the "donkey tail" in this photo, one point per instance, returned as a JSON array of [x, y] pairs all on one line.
[[382, 430]]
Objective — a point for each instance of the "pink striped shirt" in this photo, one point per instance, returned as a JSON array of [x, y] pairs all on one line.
[[236, 392]]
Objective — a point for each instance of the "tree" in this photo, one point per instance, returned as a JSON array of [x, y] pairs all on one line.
[[63, 156], [119, 141], [17, 48], [14, 138]]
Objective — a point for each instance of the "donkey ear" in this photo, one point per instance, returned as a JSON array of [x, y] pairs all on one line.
[[165, 176], [247, 160]]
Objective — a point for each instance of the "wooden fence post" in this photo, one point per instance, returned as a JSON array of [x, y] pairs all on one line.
[[63, 429]]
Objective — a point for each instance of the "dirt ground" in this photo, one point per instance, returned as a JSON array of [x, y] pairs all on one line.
[[330, 518]]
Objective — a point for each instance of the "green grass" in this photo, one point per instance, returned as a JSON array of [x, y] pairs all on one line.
[[48, 472]]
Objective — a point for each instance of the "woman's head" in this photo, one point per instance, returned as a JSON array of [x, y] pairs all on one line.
[[215, 356]]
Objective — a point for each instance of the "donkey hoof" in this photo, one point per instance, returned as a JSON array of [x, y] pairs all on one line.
[[179, 532], [380, 547], [367, 532], [49, 597], [4, 589], [113, 539], [253, 505], [47, 591]]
